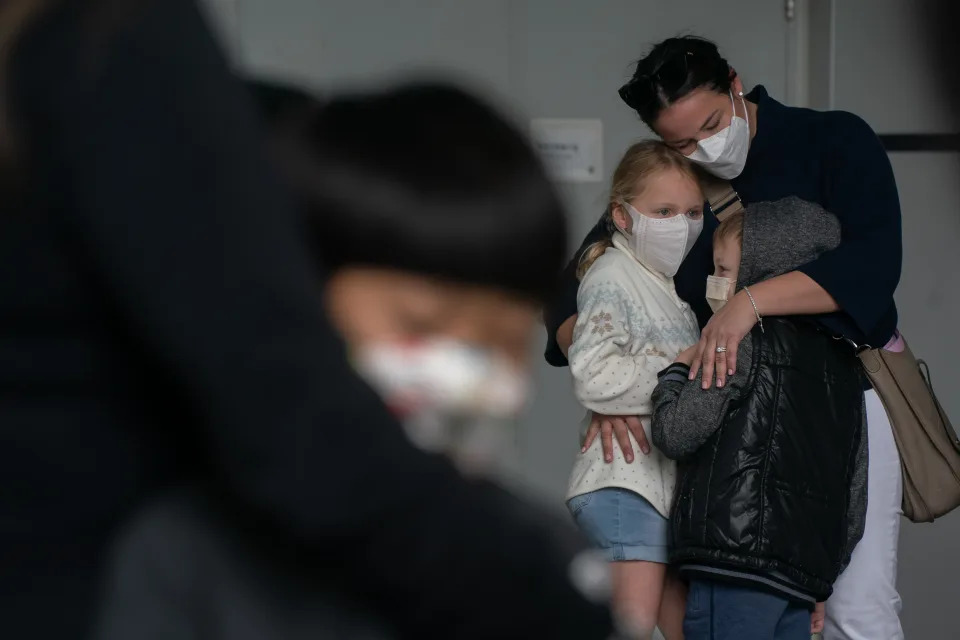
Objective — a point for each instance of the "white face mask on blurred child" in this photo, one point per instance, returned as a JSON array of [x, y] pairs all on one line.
[[661, 244], [452, 398]]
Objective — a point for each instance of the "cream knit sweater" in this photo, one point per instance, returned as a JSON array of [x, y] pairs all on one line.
[[631, 325]]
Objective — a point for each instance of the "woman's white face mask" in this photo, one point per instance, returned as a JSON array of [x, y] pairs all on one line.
[[724, 154], [661, 244]]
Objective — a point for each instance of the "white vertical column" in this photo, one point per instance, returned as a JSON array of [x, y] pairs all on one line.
[[810, 53]]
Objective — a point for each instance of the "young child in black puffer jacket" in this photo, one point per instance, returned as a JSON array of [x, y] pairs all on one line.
[[772, 492]]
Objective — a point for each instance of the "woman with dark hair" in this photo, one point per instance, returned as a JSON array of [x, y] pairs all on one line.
[[694, 100], [160, 325]]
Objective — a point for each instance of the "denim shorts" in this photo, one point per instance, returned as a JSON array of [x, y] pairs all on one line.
[[622, 524]]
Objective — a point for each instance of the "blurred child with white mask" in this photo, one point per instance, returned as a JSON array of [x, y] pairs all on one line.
[[438, 324]]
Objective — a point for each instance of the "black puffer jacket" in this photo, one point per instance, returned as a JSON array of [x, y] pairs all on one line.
[[773, 471], [769, 490]]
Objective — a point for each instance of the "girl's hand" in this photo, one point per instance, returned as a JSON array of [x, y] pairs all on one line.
[[619, 426], [725, 330], [686, 356], [817, 618]]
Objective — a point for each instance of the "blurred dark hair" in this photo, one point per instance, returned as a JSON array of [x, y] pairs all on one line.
[[99, 19], [670, 71], [427, 178], [277, 101], [16, 18]]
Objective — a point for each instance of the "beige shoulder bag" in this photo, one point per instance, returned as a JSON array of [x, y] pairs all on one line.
[[928, 445]]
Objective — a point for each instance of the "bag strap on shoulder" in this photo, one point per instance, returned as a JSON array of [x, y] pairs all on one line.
[[722, 197]]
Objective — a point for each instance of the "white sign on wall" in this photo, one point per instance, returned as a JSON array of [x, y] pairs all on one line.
[[571, 149]]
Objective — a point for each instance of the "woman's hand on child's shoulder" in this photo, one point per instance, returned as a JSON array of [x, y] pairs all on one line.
[[717, 350], [620, 427]]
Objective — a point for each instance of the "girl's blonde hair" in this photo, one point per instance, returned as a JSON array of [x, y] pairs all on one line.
[[641, 161]]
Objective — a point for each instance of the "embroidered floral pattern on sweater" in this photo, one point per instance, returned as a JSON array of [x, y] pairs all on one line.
[[630, 325], [601, 323], [644, 325]]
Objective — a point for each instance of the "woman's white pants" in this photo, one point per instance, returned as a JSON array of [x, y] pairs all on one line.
[[865, 604]]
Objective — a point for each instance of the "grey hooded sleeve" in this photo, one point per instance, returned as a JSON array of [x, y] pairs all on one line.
[[685, 414]]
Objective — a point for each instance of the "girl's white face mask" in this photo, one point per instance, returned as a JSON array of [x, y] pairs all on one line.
[[724, 154], [661, 244]]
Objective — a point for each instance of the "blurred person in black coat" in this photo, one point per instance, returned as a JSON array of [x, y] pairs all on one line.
[[159, 325], [404, 226]]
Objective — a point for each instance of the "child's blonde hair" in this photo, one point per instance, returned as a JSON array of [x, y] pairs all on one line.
[[731, 227], [641, 161]]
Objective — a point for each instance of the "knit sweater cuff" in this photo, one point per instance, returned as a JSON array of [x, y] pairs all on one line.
[[676, 372]]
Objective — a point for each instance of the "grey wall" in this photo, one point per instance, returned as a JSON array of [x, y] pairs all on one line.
[[929, 310], [565, 58], [883, 73]]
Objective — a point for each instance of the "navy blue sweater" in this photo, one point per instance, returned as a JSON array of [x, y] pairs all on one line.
[[832, 158]]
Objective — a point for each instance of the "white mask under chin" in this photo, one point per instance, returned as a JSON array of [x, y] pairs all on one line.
[[724, 154], [661, 244]]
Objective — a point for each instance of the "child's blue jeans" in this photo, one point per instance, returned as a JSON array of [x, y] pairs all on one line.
[[719, 611]]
